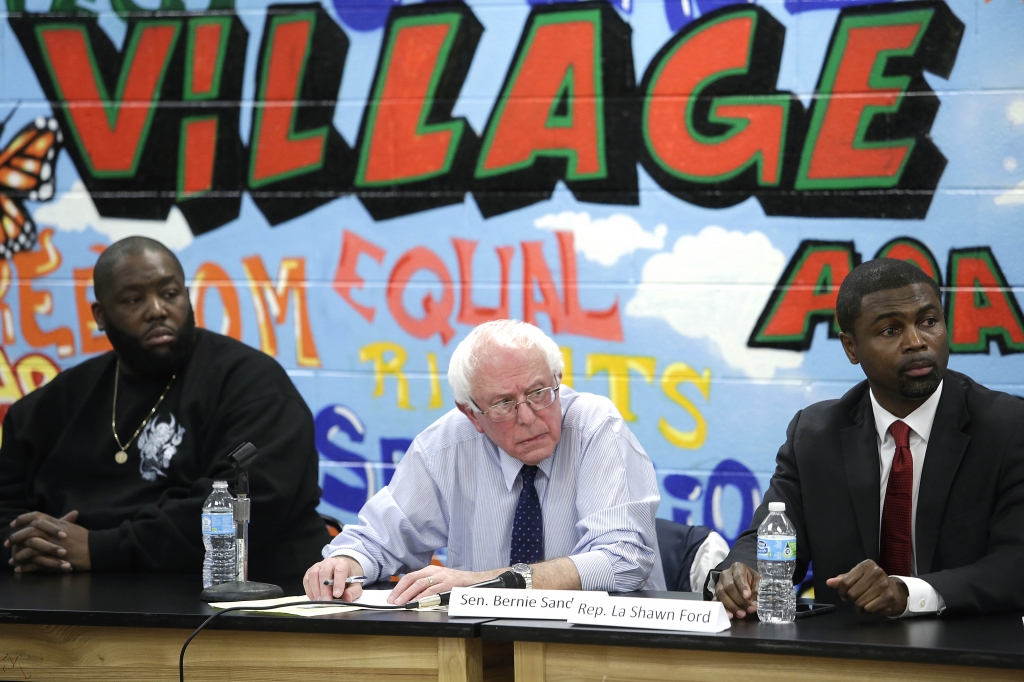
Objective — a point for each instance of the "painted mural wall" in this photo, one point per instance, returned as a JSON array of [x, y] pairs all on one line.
[[674, 189]]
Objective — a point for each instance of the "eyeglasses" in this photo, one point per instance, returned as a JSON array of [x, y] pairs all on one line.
[[508, 409]]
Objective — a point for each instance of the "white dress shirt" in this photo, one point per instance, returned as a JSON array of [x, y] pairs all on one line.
[[711, 552], [455, 488], [923, 598]]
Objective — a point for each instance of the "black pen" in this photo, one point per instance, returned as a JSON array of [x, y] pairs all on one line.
[[351, 580]]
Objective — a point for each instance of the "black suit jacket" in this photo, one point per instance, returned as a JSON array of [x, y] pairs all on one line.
[[970, 507]]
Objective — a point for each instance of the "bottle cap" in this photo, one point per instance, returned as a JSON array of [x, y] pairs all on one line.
[[220, 484], [776, 506]]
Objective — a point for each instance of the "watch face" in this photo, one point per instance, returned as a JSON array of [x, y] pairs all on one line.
[[526, 573]]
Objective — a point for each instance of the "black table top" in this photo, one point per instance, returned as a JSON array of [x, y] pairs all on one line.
[[990, 641], [171, 600]]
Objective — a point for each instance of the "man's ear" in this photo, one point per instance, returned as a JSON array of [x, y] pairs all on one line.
[[97, 315], [849, 347], [472, 415]]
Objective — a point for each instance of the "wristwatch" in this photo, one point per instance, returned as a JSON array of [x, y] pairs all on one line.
[[527, 573]]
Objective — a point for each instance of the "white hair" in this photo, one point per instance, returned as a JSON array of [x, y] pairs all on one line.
[[506, 334]]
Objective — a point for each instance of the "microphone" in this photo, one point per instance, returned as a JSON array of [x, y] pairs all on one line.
[[508, 580]]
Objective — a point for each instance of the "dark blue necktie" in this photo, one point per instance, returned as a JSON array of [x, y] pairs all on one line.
[[528, 527]]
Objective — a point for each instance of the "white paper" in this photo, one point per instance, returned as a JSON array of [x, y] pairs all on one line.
[[483, 602], [374, 597], [308, 609], [311, 608], [681, 615]]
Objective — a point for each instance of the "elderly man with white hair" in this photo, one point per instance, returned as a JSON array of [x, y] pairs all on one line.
[[525, 473]]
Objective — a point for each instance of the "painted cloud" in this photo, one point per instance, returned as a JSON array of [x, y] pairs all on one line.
[[1011, 196], [1015, 112], [713, 286], [74, 211], [604, 240]]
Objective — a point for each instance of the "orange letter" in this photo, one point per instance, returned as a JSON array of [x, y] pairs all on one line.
[[553, 102], [981, 306], [469, 313], [35, 371], [271, 303], [91, 342], [912, 251], [805, 295], [110, 129], [752, 126], [535, 269], [346, 278], [6, 318], [400, 145], [435, 318], [278, 151], [853, 92], [604, 324], [31, 265], [212, 275]]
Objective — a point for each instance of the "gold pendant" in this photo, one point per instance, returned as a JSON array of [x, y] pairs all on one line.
[[121, 457]]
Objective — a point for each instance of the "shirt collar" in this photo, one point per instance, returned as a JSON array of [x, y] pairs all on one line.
[[510, 466], [920, 420]]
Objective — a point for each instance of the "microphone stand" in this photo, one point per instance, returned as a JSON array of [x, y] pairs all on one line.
[[241, 589]]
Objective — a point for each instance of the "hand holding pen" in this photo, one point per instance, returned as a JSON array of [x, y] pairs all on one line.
[[339, 577], [351, 580]]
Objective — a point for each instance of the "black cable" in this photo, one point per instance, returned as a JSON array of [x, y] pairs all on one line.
[[508, 579], [181, 658]]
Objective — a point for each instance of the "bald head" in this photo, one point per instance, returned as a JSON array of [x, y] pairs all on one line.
[[106, 265], [142, 304]]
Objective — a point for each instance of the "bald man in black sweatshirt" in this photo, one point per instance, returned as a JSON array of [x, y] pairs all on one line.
[[77, 494]]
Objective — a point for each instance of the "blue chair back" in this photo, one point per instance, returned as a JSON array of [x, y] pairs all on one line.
[[678, 545]]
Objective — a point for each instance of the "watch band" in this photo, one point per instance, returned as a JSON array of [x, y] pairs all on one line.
[[526, 571]]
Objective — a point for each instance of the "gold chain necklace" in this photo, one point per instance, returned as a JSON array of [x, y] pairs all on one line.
[[122, 455]]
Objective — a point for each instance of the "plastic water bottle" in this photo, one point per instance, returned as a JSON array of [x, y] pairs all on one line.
[[776, 559], [219, 536]]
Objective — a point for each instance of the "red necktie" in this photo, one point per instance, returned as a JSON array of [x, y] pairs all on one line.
[[895, 545]]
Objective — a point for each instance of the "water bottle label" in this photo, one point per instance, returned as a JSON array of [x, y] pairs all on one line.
[[218, 524], [776, 549]]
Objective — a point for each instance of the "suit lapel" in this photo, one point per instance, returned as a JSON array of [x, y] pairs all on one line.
[[860, 455], [946, 446]]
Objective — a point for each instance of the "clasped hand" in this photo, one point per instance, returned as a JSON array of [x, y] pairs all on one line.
[[44, 543], [866, 585], [416, 585]]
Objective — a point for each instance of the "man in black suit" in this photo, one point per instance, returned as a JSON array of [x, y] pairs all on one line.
[[908, 492]]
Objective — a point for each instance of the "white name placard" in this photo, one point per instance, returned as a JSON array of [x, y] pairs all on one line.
[[653, 614], [531, 604]]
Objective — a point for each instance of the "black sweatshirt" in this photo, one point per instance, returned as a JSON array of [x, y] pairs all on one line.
[[58, 454]]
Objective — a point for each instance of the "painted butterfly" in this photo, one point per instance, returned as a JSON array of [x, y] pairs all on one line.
[[26, 172]]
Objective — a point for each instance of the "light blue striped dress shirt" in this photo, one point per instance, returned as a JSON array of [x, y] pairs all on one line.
[[456, 488]]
